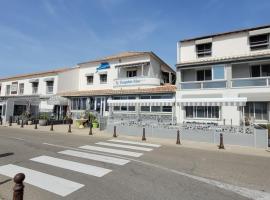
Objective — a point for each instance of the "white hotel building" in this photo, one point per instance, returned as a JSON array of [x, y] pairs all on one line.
[[224, 77], [133, 77]]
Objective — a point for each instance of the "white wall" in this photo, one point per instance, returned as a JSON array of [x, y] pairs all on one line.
[[68, 80]]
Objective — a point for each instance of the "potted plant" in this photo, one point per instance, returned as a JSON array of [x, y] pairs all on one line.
[[95, 123], [43, 119]]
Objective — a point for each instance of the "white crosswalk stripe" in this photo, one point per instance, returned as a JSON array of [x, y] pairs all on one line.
[[91, 156], [74, 166], [113, 151], [135, 143], [44, 181], [124, 146]]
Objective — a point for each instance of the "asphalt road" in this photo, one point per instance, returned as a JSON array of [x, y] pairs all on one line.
[[164, 173]]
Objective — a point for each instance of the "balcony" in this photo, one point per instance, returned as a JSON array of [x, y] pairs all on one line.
[[136, 81], [250, 82], [203, 85]]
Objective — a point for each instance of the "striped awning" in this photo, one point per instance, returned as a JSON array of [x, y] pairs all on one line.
[[141, 102], [239, 101]]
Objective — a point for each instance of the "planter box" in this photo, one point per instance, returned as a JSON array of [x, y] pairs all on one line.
[[42, 122]]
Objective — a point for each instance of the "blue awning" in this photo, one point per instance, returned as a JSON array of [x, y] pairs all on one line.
[[103, 65]]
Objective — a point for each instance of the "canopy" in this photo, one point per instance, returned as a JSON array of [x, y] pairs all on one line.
[[57, 100], [142, 102], [238, 101]]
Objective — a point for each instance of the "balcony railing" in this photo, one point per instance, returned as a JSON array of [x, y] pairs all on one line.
[[203, 85], [250, 82]]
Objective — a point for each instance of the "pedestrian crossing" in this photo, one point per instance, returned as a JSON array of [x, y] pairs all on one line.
[[105, 152]]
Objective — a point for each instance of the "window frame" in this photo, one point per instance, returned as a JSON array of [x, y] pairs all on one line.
[[87, 80], [260, 46], [205, 52], [132, 73], [100, 78]]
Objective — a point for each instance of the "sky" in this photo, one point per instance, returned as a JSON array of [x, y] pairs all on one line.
[[40, 35]]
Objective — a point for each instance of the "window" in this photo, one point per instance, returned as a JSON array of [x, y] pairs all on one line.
[[21, 88], [14, 88], [132, 73], [204, 50], [34, 87], [202, 112], [260, 70], [124, 108], [90, 80], [145, 108], [257, 42], [49, 89], [155, 108], [103, 78], [204, 75], [78, 104], [8, 90], [218, 72], [256, 110]]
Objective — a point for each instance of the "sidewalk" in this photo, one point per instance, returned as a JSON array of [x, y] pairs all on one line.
[[63, 129]]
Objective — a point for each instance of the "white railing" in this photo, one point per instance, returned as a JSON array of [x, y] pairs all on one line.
[[250, 82], [203, 84]]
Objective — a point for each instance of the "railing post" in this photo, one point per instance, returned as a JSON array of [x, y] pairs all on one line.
[[178, 137], [114, 131], [143, 136], [18, 189], [221, 144]]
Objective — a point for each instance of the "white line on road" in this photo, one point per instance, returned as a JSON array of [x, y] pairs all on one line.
[[113, 151], [124, 146], [74, 166], [44, 181], [135, 143], [15, 138], [91, 156], [249, 193]]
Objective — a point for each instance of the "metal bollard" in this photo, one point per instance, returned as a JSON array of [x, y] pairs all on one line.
[[1, 121], [36, 124], [69, 126], [22, 124], [143, 136], [90, 126], [178, 137], [221, 144], [18, 189], [51, 126], [114, 131], [10, 121]]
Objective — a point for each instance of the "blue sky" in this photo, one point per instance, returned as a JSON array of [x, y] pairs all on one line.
[[39, 35]]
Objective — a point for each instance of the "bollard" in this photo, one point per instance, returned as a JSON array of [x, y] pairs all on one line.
[[178, 137], [221, 144], [19, 186], [69, 126], [22, 124], [1, 120], [10, 121], [51, 126], [18, 121], [90, 126], [36, 124], [114, 131], [224, 122], [143, 136]]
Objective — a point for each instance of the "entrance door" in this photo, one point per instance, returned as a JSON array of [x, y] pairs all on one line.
[[19, 110]]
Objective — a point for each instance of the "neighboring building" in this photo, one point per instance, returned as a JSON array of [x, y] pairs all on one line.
[[225, 77], [33, 93], [122, 79]]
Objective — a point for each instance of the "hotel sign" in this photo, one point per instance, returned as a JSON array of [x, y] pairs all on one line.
[[136, 82]]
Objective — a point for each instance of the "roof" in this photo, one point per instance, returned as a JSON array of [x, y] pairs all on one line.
[[226, 33], [155, 90], [128, 54], [244, 57], [35, 74]]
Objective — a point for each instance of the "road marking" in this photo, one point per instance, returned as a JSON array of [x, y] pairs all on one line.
[[44, 181], [136, 143], [246, 192], [74, 166], [124, 146], [113, 151], [15, 138], [91, 156]]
